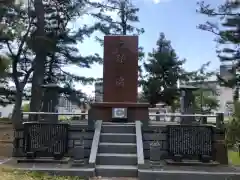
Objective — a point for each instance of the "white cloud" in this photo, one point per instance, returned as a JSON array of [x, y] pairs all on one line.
[[159, 1]]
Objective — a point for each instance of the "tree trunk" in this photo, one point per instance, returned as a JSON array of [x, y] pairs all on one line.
[[17, 113], [40, 60]]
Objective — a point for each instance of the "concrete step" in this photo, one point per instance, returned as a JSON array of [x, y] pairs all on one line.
[[120, 148], [116, 159], [118, 137], [118, 128], [116, 171]]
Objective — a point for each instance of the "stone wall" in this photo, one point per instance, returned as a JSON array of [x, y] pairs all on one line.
[[76, 132]]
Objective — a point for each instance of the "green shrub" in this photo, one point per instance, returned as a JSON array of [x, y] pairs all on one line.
[[233, 132], [233, 127], [12, 174], [75, 118], [5, 119]]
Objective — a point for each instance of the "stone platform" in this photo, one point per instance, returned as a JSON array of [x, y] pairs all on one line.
[[220, 172], [53, 169], [123, 150], [146, 172]]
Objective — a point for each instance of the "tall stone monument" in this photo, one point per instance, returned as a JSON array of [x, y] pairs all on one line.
[[120, 70], [120, 80]]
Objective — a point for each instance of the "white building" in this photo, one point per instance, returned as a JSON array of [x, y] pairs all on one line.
[[224, 95], [6, 111]]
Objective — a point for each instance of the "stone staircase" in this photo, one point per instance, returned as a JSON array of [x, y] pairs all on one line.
[[117, 151]]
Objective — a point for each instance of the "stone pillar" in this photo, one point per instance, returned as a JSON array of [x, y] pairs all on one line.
[[50, 102]]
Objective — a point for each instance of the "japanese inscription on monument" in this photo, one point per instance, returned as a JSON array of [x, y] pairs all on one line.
[[46, 138], [190, 140], [120, 60]]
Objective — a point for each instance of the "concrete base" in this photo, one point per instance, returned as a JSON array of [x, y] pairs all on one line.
[[135, 111], [53, 169], [168, 172], [187, 175], [146, 174]]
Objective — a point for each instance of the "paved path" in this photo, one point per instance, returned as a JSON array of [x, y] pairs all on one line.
[[4, 160]]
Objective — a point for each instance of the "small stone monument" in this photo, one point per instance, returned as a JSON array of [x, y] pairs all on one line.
[[50, 99], [187, 103]]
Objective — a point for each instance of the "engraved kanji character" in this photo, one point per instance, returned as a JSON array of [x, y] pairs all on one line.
[[120, 58], [120, 81]]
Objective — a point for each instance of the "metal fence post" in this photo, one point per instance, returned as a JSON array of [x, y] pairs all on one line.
[[157, 117]]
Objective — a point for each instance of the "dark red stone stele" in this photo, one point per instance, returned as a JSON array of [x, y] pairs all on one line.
[[120, 69], [120, 80]]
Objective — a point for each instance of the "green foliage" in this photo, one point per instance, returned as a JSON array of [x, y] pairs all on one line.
[[234, 158], [5, 119], [126, 12], [124, 23], [205, 96], [205, 101], [163, 70], [26, 107], [233, 131], [227, 38], [56, 47], [11, 174], [233, 127], [4, 65]]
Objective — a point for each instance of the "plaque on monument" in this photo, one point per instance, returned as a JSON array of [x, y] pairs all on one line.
[[190, 142], [45, 140]]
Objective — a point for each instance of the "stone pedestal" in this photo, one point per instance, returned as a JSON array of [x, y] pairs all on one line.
[[135, 111]]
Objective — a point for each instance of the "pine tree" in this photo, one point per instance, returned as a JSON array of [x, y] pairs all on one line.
[[19, 37], [61, 46], [163, 70], [123, 24], [228, 38], [14, 34]]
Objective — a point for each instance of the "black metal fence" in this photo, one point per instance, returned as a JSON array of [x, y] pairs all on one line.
[[45, 140]]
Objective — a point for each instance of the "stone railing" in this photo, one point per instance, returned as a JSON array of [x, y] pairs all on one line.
[[154, 115]]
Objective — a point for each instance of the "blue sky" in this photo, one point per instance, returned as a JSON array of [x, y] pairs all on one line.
[[177, 19]]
